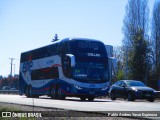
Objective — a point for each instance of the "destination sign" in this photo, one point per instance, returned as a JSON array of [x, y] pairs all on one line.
[[89, 45], [93, 54]]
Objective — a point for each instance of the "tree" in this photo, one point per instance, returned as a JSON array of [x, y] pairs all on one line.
[[155, 32], [119, 55], [10, 82], [135, 40], [139, 57]]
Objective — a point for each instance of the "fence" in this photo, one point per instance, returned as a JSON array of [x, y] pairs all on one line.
[[9, 91]]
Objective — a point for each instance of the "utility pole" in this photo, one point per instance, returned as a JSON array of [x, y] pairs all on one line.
[[11, 65], [11, 71], [14, 68]]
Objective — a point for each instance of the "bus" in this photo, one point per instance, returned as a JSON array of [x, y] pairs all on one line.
[[71, 67]]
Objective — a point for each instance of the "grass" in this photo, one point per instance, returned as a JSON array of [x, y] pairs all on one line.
[[9, 109]]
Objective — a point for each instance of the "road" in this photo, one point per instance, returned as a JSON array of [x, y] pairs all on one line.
[[75, 103]]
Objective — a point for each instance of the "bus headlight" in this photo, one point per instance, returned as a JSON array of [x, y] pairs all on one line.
[[76, 86]]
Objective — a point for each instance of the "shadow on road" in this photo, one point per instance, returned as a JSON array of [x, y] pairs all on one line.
[[71, 99]]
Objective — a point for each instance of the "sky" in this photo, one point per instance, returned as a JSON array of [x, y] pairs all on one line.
[[29, 24]]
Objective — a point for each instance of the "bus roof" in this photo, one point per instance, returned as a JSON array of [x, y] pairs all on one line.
[[65, 39], [75, 38]]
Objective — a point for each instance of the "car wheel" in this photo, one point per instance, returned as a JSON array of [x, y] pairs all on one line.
[[151, 99], [130, 97], [113, 97]]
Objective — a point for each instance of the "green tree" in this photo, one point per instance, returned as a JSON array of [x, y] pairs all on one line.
[[139, 57], [120, 75]]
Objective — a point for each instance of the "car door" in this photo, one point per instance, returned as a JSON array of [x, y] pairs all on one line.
[[123, 89], [119, 89], [115, 88]]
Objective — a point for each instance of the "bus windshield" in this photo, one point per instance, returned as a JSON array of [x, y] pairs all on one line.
[[91, 61], [90, 72]]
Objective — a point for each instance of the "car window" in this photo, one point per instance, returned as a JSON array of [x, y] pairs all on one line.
[[119, 83], [134, 83], [116, 84], [122, 84]]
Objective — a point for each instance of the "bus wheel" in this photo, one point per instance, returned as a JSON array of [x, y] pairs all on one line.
[[35, 96], [83, 98], [90, 98], [28, 91], [53, 93], [60, 94]]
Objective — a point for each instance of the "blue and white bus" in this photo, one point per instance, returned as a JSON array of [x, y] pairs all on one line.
[[72, 67]]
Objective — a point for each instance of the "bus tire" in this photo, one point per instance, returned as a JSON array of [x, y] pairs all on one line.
[[83, 98], [53, 92], [60, 94], [91, 98], [35, 96], [28, 91]]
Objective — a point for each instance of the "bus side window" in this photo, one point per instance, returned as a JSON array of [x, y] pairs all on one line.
[[66, 66]]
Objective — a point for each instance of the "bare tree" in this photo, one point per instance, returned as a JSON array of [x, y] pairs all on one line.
[[119, 55], [155, 32], [135, 40]]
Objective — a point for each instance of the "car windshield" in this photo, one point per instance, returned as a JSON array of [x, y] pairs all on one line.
[[135, 83]]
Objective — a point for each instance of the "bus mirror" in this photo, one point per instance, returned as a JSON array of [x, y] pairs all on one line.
[[72, 58]]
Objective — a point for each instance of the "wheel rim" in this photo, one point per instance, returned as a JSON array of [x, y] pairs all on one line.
[[60, 94], [52, 93]]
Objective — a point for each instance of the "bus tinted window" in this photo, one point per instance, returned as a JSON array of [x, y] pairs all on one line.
[[45, 73], [41, 53], [88, 48]]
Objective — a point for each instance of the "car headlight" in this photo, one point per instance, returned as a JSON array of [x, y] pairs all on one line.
[[76, 86], [134, 89], [138, 91]]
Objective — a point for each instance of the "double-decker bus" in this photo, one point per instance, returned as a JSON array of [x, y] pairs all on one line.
[[75, 67]]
